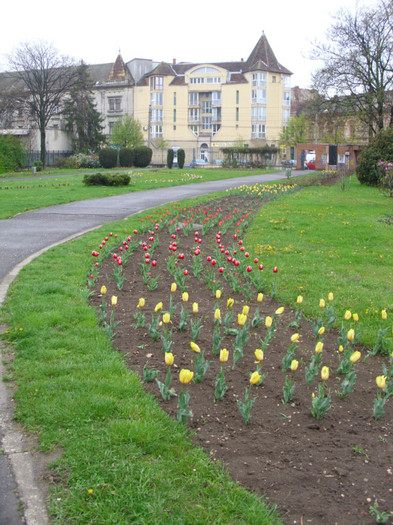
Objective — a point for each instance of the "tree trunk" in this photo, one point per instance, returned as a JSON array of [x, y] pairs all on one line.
[[43, 146]]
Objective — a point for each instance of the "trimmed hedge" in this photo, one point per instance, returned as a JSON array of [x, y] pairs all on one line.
[[379, 149], [181, 157], [169, 158], [106, 179], [142, 156], [126, 157], [108, 158]]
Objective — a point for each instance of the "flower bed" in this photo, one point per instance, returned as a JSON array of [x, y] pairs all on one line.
[[284, 402]]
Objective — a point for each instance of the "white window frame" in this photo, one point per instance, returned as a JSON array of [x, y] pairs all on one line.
[[258, 114], [157, 115], [207, 123], [197, 80], [156, 131], [157, 99], [286, 98], [258, 131], [193, 99], [194, 129], [286, 115], [258, 79], [216, 128], [259, 96], [207, 106], [286, 81], [193, 115], [216, 98]]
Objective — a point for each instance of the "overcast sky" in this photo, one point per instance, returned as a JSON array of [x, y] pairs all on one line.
[[218, 30]]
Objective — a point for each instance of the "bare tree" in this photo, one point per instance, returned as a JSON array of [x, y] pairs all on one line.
[[358, 63], [45, 77]]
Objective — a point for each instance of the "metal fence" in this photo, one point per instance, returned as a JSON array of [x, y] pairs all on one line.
[[51, 157]]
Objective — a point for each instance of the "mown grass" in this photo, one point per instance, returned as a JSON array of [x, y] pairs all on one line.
[[123, 460], [18, 196], [324, 239]]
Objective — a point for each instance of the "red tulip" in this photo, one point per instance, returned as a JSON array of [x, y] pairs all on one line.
[[154, 263], [256, 260], [260, 266], [185, 272], [214, 262], [208, 258], [275, 269], [249, 268]]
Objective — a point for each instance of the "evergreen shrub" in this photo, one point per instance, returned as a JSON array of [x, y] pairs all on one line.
[[126, 157], [181, 157], [142, 156], [108, 157], [379, 149], [169, 158]]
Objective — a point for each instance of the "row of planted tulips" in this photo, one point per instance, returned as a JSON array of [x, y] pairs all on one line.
[[203, 309]]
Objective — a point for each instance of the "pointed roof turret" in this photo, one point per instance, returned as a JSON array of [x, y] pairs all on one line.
[[263, 58], [163, 68], [118, 71]]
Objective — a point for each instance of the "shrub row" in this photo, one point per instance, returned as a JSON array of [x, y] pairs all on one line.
[[379, 149], [106, 179], [138, 157]]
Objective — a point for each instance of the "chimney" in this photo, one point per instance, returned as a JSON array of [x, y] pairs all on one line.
[[242, 60], [174, 61]]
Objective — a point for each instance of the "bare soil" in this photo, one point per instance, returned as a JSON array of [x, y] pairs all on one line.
[[326, 471]]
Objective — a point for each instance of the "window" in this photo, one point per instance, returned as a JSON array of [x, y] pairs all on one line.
[[193, 99], [213, 80], [286, 80], [195, 130], [206, 123], [259, 96], [258, 79], [286, 98], [174, 98], [114, 103], [237, 97], [111, 124], [193, 115], [216, 128], [157, 99], [237, 114], [174, 115], [274, 79], [156, 131], [216, 115], [285, 115], [258, 113], [341, 159], [216, 98], [157, 83], [205, 70], [207, 107], [156, 115], [258, 131], [197, 80]]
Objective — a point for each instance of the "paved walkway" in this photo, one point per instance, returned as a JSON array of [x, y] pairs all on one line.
[[21, 239]]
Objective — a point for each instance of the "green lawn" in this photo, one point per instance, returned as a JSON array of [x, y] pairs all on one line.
[[122, 458], [18, 196]]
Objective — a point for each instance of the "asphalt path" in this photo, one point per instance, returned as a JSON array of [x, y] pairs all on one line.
[[26, 236]]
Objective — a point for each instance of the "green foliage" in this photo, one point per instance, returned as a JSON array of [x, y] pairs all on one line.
[[108, 157], [127, 133], [142, 156], [295, 132], [126, 157], [12, 153], [169, 158], [106, 179], [181, 157], [38, 165], [84, 160], [380, 148], [82, 117]]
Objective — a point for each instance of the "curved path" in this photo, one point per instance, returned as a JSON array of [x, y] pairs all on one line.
[[23, 238]]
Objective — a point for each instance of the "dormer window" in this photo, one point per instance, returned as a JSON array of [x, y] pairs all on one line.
[[156, 83]]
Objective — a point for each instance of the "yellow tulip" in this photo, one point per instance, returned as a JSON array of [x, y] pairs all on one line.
[[166, 318], [195, 308], [184, 297], [294, 364], [224, 354], [279, 311], [195, 348], [173, 287], [321, 331], [158, 307], [299, 299], [348, 315], [268, 321], [322, 303], [217, 314], [141, 302], [355, 317], [113, 300], [245, 310], [258, 354], [351, 334], [355, 356], [341, 348], [381, 382], [260, 297], [330, 296], [103, 290], [218, 294], [325, 373], [169, 358], [185, 376], [255, 377], [230, 302], [241, 319], [295, 338], [384, 315], [319, 347]]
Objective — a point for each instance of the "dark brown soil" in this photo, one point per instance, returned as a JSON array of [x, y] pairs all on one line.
[[326, 471]]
